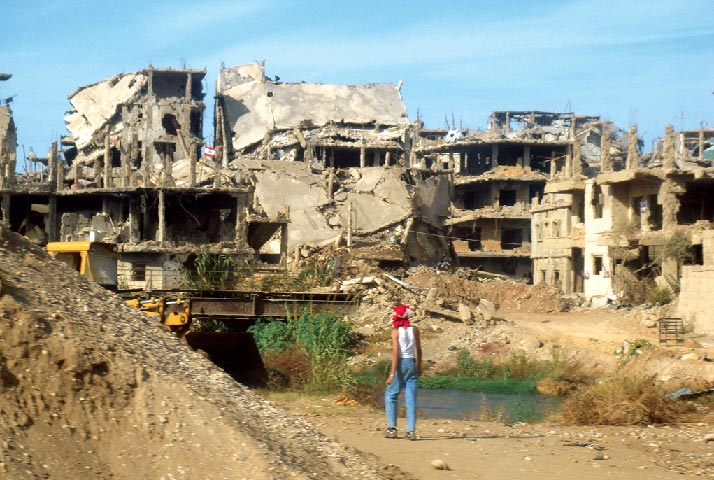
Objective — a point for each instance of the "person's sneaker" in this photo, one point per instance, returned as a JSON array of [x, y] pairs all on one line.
[[411, 436], [391, 433]]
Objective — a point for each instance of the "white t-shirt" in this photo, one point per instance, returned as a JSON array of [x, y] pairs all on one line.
[[407, 347]]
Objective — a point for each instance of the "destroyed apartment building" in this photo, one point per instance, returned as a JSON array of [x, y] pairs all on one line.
[[337, 157], [497, 175], [620, 220], [131, 173], [556, 198], [8, 140]]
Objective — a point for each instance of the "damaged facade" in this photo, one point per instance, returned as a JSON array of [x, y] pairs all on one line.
[[629, 225], [131, 173], [555, 198], [498, 174]]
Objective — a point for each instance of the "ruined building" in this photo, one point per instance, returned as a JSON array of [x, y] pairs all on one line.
[[8, 140], [132, 174], [613, 233], [335, 155], [497, 175], [556, 198]]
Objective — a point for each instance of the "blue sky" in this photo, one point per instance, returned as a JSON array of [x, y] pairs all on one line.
[[644, 61]]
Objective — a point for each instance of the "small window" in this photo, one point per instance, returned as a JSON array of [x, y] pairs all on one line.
[[556, 228], [556, 277], [138, 272]]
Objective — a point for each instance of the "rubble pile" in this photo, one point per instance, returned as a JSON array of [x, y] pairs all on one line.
[[91, 388]]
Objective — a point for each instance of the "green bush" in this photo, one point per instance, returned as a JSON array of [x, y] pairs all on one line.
[[468, 367], [659, 296], [324, 339]]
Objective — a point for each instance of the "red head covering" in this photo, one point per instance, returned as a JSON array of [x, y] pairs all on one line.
[[401, 316]]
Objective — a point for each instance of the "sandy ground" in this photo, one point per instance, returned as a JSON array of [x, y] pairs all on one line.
[[474, 449]]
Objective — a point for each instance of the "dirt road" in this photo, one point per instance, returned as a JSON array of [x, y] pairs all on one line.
[[474, 449]]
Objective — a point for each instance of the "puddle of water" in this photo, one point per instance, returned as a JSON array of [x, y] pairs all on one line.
[[460, 405]]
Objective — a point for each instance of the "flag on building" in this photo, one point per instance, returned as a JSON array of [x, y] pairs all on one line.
[[209, 152]]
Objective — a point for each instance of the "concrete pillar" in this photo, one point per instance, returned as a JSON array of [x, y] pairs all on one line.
[[577, 159], [494, 155], [605, 158], [134, 215], [5, 209], [330, 183], [52, 224], [241, 232], [168, 157], [51, 167], [568, 165], [189, 81], [192, 164], [60, 168], [161, 230], [632, 160], [526, 155], [701, 145], [387, 159], [284, 245], [552, 164], [362, 157], [332, 158], [107, 161], [670, 205], [668, 153]]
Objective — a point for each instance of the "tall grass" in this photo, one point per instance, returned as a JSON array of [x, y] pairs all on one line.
[[320, 342], [622, 401]]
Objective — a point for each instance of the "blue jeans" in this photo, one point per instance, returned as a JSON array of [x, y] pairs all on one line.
[[404, 379]]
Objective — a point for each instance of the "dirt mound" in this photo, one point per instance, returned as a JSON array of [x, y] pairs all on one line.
[[90, 388], [508, 295]]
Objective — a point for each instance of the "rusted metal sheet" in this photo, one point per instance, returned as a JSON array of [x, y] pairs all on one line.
[[266, 305]]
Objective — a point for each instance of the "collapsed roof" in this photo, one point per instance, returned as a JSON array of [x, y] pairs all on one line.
[[256, 105]]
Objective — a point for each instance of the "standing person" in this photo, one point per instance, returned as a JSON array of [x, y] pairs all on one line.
[[406, 368]]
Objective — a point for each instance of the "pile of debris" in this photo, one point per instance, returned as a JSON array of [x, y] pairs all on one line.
[[91, 388]]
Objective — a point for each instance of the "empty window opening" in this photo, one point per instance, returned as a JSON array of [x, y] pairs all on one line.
[[639, 206], [556, 228], [139, 155], [535, 190], [346, 158], [511, 238], [169, 123], [655, 220], [509, 154], [507, 198], [196, 120], [138, 272], [509, 266], [597, 264], [543, 276], [116, 157], [556, 277], [597, 201]]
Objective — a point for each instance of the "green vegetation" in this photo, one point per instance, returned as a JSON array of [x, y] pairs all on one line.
[[309, 352], [659, 295], [501, 386]]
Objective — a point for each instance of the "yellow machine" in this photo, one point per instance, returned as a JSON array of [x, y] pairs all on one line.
[[96, 260], [174, 314]]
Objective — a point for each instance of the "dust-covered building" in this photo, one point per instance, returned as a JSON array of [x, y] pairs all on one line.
[[131, 172], [8, 140], [498, 174], [336, 156]]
